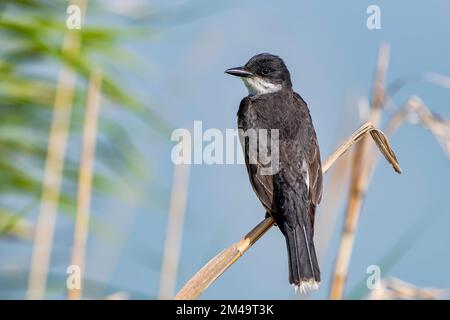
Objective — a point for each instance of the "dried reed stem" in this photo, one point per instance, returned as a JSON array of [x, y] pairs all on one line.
[[54, 165], [416, 111], [361, 172], [221, 262], [174, 232], [85, 178], [395, 289]]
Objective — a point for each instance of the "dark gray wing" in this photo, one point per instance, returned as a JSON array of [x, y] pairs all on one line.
[[311, 155], [262, 184]]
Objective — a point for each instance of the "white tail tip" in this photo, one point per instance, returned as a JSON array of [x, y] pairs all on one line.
[[306, 286]]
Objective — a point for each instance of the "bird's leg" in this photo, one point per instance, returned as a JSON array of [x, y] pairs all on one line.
[[268, 215]]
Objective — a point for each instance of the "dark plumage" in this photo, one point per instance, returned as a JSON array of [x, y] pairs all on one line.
[[290, 195]]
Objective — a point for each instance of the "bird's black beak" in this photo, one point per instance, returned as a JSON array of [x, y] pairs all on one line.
[[239, 72]]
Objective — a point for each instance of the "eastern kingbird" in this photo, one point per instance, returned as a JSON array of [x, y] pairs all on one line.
[[290, 195]]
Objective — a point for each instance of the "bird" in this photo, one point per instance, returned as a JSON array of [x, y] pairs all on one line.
[[290, 194]]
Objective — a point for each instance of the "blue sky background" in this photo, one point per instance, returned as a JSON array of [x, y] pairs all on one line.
[[331, 56]]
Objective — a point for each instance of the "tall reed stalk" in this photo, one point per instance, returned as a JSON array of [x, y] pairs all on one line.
[[85, 179], [56, 151], [363, 165], [174, 232]]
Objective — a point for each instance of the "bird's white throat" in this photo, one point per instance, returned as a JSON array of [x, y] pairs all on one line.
[[257, 86]]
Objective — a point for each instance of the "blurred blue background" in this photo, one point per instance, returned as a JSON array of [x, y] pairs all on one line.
[[331, 56]]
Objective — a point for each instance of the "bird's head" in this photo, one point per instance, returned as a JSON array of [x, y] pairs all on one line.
[[264, 73]]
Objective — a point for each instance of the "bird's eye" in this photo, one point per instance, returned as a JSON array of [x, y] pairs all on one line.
[[265, 71]]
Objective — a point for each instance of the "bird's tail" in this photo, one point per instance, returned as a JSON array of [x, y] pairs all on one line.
[[304, 272]]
